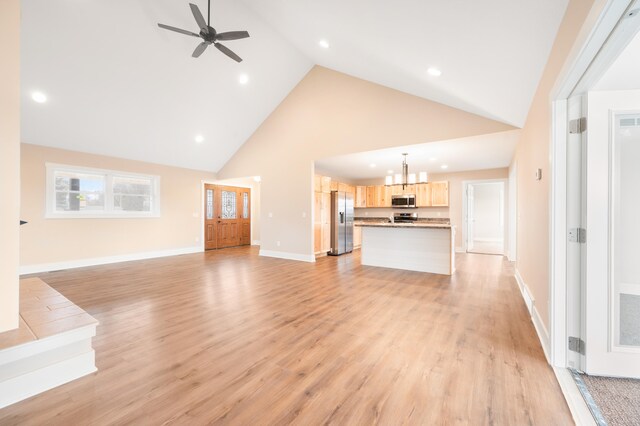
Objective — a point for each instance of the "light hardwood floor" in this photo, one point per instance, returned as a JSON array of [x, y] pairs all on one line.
[[229, 337]]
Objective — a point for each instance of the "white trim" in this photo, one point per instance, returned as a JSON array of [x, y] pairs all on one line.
[[460, 250], [288, 256], [81, 263], [558, 234], [524, 290], [543, 334], [108, 212], [505, 207], [37, 366], [536, 319], [255, 242], [578, 407]]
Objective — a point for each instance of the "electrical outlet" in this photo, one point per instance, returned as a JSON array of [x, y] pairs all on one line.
[[270, 214], [197, 239], [304, 214], [278, 243]]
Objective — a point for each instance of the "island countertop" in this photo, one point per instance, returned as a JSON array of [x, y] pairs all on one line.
[[404, 225]]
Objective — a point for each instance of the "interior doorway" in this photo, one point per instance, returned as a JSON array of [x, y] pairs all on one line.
[[227, 216], [485, 223]]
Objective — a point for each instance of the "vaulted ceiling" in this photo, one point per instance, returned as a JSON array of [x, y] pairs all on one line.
[[118, 85]]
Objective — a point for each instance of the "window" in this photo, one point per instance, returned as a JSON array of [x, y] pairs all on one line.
[[83, 192]]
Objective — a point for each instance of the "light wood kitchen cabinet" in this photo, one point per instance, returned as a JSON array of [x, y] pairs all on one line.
[[322, 222], [334, 185], [423, 195], [361, 196], [326, 184], [439, 194], [396, 190], [371, 196], [317, 183], [357, 237]]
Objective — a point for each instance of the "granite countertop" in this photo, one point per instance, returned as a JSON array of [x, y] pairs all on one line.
[[384, 222], [424, 224]]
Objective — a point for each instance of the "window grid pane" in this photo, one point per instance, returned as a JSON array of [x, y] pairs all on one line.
[[229, 205], [79, 191], [209, 203], [245, 205]]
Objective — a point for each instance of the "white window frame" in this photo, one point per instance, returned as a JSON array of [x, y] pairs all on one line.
[[109, 211]]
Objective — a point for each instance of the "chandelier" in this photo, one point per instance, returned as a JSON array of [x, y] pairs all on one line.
[[405, 178]]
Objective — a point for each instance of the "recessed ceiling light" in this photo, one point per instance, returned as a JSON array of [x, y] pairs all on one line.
[[39, 97], [390, 172], [434, 72], [324, 44], [243, 79], [432, 159], [372, 165], [199, 138], [444, 166]]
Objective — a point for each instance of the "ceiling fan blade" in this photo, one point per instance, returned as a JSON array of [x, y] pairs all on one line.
[[199, 49], [202, 24], [178, 30], [228, 52], [232, 35]]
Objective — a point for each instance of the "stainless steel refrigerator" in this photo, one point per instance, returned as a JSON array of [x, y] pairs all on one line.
[[342, 214]]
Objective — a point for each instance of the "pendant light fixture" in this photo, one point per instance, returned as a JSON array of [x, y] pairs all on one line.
[[405, 178], [405, 171]]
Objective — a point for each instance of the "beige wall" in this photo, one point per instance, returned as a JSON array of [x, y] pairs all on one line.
[[533, 153], [329, 114], [454, 211], [9, 161], [46, 241]]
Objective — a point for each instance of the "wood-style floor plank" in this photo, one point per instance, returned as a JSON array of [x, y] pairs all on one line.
[[228, 337]]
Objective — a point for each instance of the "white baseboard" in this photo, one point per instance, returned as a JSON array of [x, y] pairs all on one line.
[[288, 256], [35, 367], [538, 323], [255, 242], [526, 293], [543, 334], [578, 407], [57, 266]]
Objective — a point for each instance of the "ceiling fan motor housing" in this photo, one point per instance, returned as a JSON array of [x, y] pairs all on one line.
[[211, 36]]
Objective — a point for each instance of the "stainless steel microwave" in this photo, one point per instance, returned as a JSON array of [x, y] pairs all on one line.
[[407, 201]]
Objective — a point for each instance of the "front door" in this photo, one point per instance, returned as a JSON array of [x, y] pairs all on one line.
[[229, 223], [612, 271]]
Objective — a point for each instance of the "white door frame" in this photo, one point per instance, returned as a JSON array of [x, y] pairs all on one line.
[[585, 66], [505, 183]]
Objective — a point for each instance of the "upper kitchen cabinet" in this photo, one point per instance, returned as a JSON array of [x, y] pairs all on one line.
[[361, 196], [439, 194], [326, 184], [423, 195]]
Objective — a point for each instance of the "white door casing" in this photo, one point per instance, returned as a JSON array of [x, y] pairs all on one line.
[[470, 217]]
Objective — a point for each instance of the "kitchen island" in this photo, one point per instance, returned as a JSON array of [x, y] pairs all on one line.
[[420, 246]]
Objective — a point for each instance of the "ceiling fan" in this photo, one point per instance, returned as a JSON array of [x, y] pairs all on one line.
[[209, 34]]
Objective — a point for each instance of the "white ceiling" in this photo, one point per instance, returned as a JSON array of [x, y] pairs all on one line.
[[118, 85], [624, 73], [491, 52], [473, 153]]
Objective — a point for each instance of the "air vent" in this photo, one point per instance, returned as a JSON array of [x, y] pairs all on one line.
[[629, 122]]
